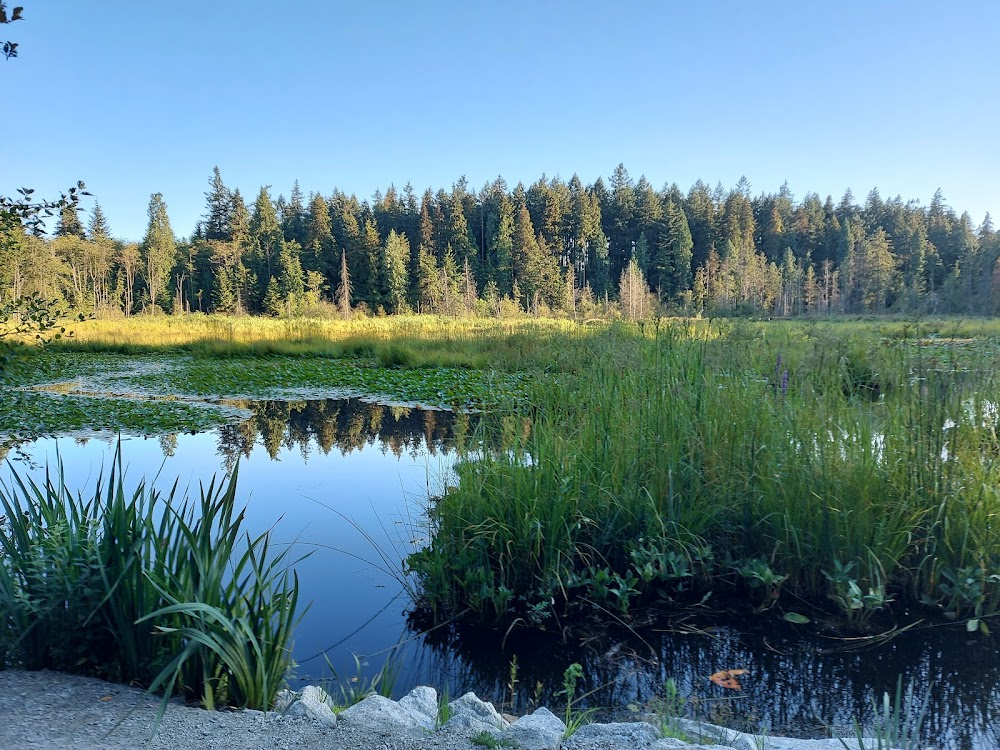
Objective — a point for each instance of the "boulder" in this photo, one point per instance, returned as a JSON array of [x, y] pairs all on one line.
[[313, 702], [541, 730], [469, 706], [422, 702], [377, 711]]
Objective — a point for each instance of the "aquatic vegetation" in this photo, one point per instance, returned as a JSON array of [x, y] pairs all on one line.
[[676, 463], [153, 589], [850, 465]]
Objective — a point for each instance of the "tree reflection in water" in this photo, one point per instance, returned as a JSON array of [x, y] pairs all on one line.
[[346, 425]]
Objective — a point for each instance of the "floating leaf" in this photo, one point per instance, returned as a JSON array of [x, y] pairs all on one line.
[[797, 618], [727, 678]]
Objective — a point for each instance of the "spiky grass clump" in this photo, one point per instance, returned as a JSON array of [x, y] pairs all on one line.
[[142, 588]]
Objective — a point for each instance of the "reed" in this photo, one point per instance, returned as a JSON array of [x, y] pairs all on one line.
[[144, 588], [858, 470]]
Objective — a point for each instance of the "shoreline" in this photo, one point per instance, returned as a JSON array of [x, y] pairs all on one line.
[[41, 710]]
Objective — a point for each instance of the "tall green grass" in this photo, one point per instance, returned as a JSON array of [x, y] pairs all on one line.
[[144, 588], [676, 461]]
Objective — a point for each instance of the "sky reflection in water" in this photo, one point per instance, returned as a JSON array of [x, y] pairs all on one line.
[[336, 477]]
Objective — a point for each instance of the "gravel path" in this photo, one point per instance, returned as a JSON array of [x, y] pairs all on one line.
[[43, 710]]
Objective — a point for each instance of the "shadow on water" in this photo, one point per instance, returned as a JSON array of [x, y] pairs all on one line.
[[797, 683], [348, 481]]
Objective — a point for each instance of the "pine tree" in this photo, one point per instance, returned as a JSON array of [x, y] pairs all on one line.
[[670, 270], [98, 228], [394, 273], [158, 251], [450, 282], [430, 292], [620, 219], [293, 218], [290, 279], [266, 239], [320, 246], [101, 258], [502, 251], [219, 208], [69, 224]]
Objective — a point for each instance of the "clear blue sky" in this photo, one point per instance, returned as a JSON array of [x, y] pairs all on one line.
[[142, 96]]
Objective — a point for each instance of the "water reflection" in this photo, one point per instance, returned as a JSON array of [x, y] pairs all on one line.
[[796, 683], [335, 476], [346, 425]]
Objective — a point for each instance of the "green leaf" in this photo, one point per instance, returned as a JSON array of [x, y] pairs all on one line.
[[796, 618], [972, 625]]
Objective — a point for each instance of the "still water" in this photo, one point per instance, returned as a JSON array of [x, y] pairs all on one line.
[[347, 483]]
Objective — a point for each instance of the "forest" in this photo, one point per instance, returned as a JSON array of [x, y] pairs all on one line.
[[555, 247]]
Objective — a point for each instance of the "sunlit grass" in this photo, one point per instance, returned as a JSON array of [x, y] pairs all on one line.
[[828, 466]]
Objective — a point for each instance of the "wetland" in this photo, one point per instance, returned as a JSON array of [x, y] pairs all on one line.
[[813, 503]]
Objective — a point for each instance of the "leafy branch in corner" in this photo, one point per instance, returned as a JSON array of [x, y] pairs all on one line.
[[10, 48]]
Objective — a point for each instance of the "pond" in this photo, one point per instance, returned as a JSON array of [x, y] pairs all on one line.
[[347, 483]]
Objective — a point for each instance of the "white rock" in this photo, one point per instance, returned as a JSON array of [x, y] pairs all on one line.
[[376, 711], [423, 703], [468, 726], [541, 730], [470, 706], [635, 735], [317, 705]]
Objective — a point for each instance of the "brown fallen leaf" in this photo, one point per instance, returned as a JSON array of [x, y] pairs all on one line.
[[727, 678], [105, 698]]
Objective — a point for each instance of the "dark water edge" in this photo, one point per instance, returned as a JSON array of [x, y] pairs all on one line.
[[346, 482], [797, 683]]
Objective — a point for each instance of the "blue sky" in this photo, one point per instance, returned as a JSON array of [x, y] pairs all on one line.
[[141, 97]]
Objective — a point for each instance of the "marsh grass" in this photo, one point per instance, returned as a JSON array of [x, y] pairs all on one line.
[[144, 588], [654, 464], [670, 459]]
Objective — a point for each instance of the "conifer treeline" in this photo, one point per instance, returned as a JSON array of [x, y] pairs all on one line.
[[554, 246]]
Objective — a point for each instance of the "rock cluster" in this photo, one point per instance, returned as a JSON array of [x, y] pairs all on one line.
[[419, 713]]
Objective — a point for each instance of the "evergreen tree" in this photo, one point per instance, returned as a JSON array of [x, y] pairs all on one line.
[[458, 228], [69, 224], [620, 219], [293, 217], [670, 271], [368, 261], [450, 283], [266, 240], [98, 228], [395, 256], [290, 278], [502, 251], [158, 251], [700, 210], [320, 246], [219, 208], [878, 275], [430, 293], [101, 258]]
